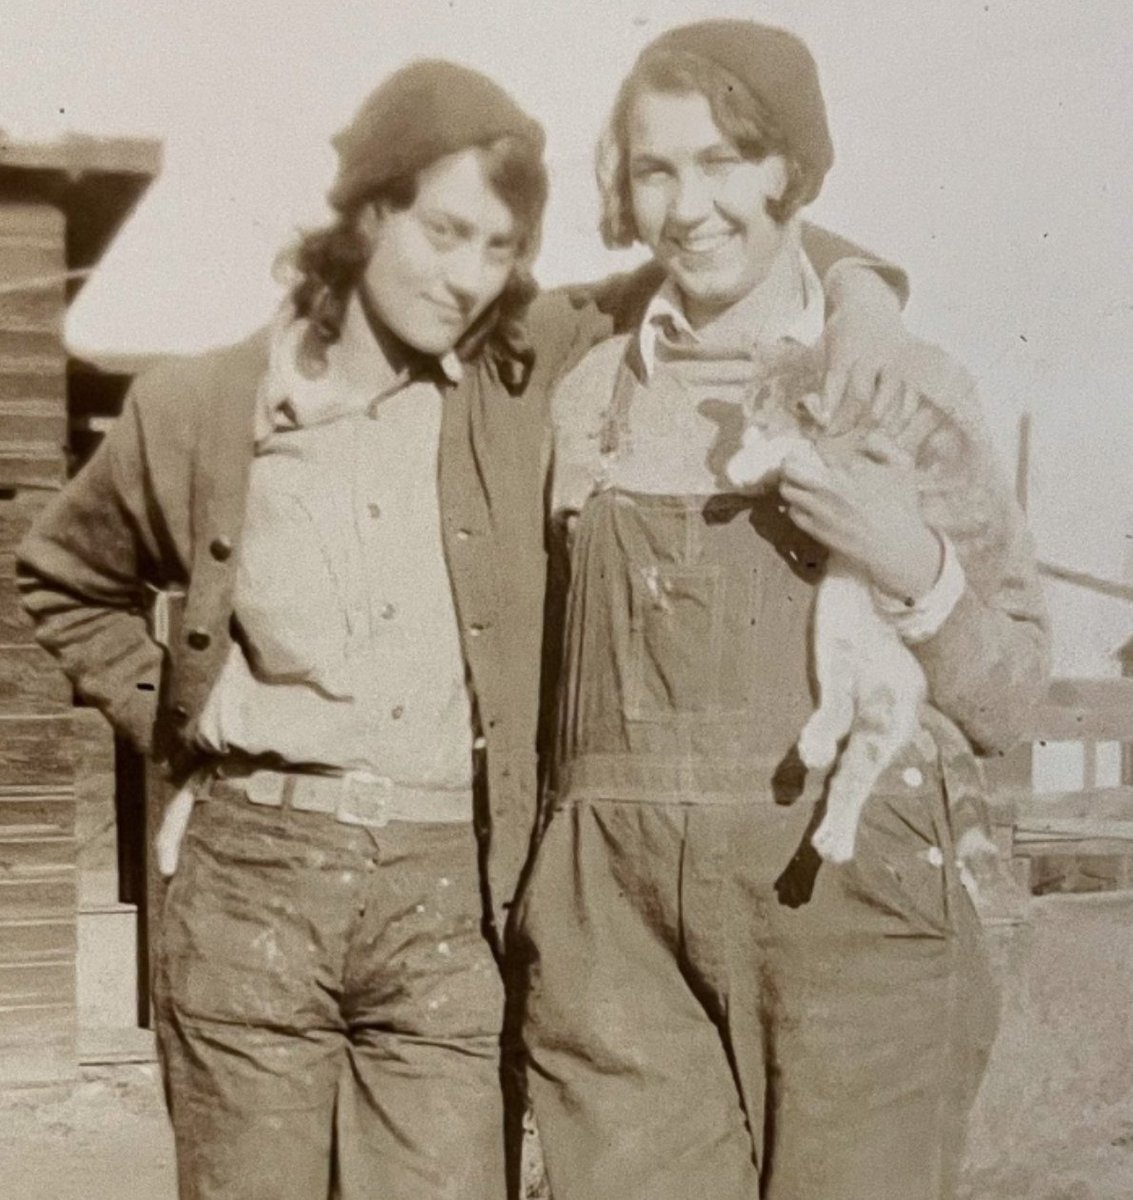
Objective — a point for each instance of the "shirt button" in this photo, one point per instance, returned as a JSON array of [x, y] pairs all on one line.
[[221, 549], [397, 712], [389, 611], [181, 711], [462, 535], [475, 630], [199, 639], [912, 777]]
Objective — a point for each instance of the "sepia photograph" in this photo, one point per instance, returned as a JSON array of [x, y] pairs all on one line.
[[566, 600]]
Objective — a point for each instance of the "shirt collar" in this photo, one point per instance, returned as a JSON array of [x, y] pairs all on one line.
[[361, 370], [665, 317]]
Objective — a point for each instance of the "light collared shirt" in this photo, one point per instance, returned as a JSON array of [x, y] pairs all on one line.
[[348, 654], [801, 321], [745, 326]]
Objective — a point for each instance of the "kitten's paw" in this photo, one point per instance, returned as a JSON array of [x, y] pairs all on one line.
[[834, 840], [817, 747]]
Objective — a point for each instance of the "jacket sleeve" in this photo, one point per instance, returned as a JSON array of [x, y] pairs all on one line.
[[988, 664], [82, 571], [829, 251]]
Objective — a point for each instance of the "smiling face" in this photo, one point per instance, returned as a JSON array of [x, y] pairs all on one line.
[[699, 205], [436, 265]]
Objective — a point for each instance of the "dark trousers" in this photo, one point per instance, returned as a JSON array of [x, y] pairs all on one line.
[[713, 1013], [329, 1012]]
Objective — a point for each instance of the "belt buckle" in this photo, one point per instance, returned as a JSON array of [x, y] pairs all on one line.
[[358, 807]]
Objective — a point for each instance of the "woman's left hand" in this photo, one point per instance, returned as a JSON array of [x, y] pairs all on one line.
[[862, 504], [870, 358]]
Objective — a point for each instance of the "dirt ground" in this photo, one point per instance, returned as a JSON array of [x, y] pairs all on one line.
[[109, 1140], [1054, 1120]]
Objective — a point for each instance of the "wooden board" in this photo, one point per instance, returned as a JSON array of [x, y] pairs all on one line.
[[18, 508], [31, 681], [1085, 710]]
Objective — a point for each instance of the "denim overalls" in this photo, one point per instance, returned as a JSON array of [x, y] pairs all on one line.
[[713, 1012]]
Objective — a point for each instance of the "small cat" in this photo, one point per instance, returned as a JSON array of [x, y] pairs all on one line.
[[871, 685]]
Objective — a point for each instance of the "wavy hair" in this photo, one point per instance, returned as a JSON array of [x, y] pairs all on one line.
[[738, 114], [325, 265]]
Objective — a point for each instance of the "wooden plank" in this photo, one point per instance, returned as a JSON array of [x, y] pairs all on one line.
[[1080, 874], [40, 345], [37, 750], [32, 465], [51, 815], [17, 511], [37, 306], [81, 153], [15, 625], [96, 822], [46, 383], [32, 984], [40, 221], [1092, 710], [33, 419], [35, 854], [41, 940], [38, 895], [31, 681], [1115, 803]]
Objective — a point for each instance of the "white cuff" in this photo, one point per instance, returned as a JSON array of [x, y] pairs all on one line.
[[918, 620]]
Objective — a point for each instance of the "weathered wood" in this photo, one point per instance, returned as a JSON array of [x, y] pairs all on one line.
[[33, 419], [1085, 710], [1113, 803], [17, 511], [15, 624], [1079, 874], [38, 1043], [51, 814], [37, 750], [38, 345], [37, 305], [32, 465], [41, 940], [96, 826], [35, 854], [21, 382], [37, 983], [45, 894], [31, 681], [37, 221]]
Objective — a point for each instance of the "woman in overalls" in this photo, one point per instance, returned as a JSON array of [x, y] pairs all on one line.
[[712, 1011]]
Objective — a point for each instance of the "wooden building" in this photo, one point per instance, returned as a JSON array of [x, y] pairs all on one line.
[[63, 901]]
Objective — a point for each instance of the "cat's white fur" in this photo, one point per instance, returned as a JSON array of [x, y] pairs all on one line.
[[871, 686]]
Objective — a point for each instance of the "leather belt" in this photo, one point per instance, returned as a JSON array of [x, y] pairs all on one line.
[[351, 797]]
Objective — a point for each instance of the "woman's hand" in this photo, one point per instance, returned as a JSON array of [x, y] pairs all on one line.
[[862, 504], [870, 357]]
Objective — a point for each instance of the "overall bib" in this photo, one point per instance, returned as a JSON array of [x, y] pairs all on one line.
[[712, 1011]]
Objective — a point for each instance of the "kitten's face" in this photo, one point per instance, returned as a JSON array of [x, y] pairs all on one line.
[[787, 398]]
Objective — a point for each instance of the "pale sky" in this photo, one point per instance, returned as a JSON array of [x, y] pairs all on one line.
[[985, 146]]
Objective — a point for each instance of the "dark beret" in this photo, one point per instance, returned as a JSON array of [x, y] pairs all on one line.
[[419, 114], [778, 70]]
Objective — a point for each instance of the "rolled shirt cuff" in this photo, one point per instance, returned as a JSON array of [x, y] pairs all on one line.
[[917, 620]]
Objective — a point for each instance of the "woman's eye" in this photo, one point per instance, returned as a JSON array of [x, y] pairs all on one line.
[[441, 233]]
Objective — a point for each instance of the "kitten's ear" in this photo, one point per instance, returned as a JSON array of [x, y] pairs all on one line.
[[814, 409]]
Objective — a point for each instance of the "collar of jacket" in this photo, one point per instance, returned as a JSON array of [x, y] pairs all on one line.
[[503, 345]]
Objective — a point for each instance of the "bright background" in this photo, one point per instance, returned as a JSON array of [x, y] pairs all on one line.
[[983, 145]]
